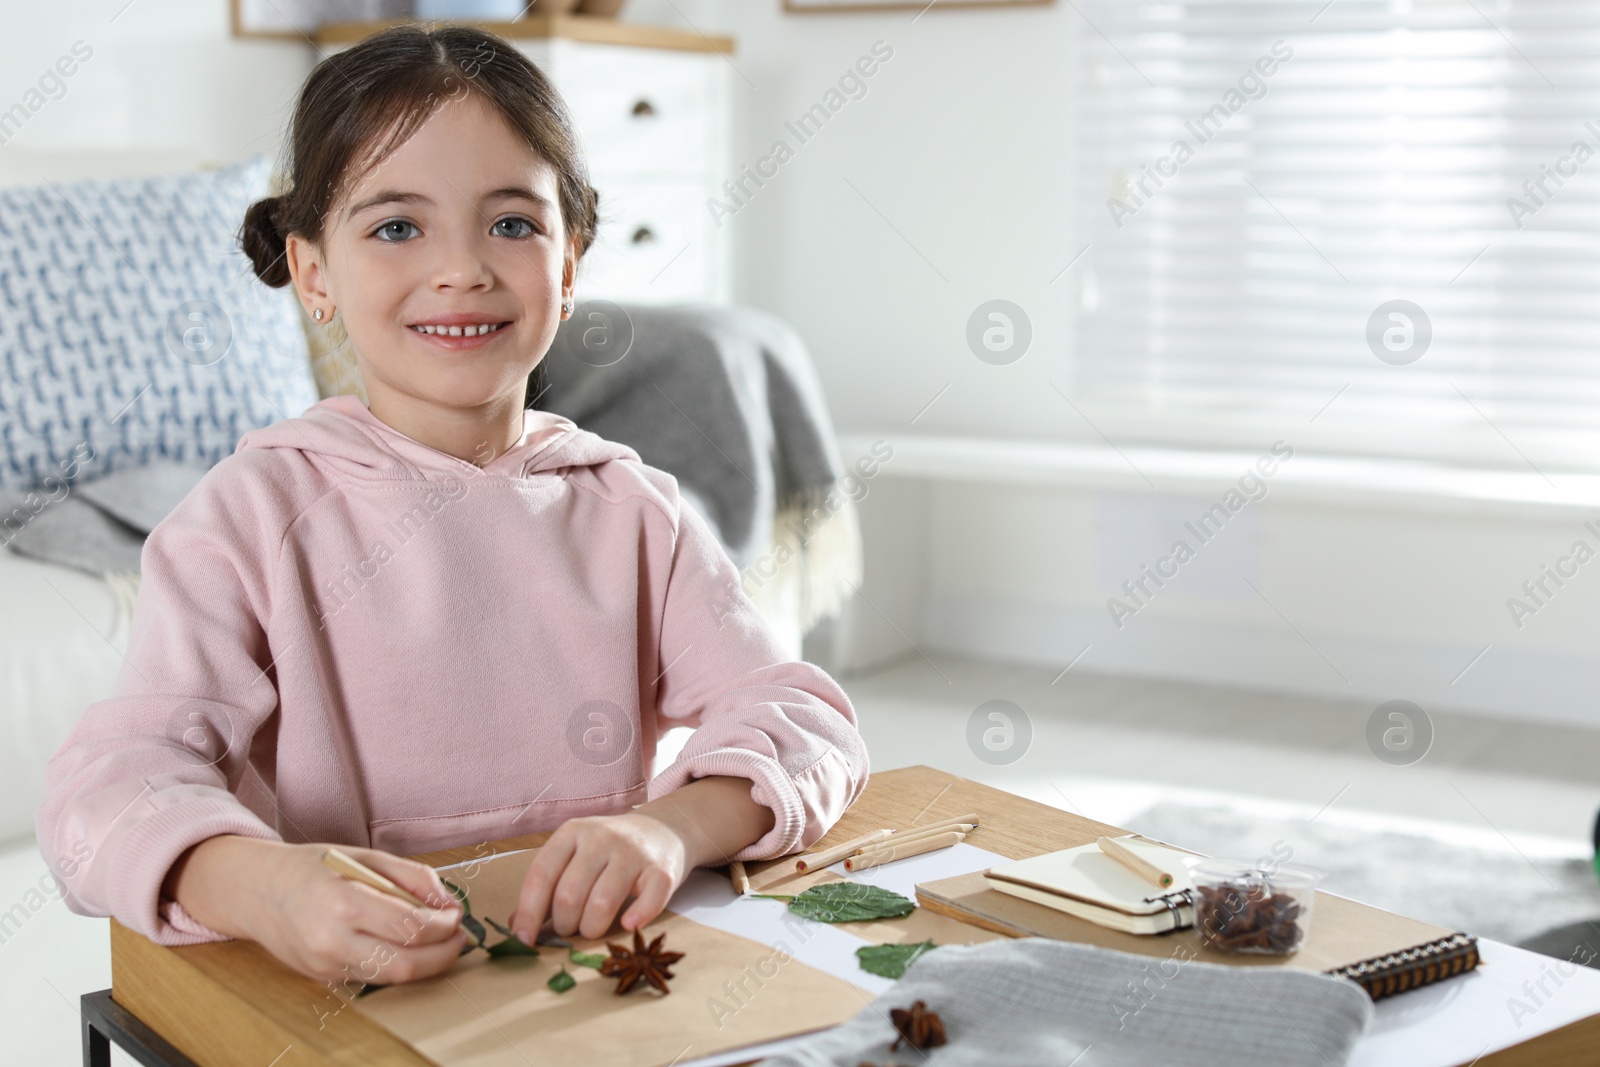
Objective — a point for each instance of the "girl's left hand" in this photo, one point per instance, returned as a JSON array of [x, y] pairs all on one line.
[[590, 865]]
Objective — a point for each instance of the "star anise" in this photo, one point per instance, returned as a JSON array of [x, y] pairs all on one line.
[[648, 963], [918, 1027]]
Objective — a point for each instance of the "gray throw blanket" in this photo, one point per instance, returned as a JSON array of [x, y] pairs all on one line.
[[723, 398], [98, 526], [1037, 1002], [726, 399]]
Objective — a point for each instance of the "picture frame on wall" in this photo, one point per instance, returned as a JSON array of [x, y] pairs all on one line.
[[818, 6], [299, 20]]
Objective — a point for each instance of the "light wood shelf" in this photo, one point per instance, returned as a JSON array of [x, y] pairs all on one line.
[[588, 28]]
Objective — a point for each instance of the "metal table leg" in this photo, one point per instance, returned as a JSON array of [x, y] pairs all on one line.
[[105, 1022]]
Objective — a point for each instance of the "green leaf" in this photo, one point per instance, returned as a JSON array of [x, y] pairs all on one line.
[[511, 946], [460, 894], [474, 927], [842, 902], [562, 982], [891, 961], [586, 959]]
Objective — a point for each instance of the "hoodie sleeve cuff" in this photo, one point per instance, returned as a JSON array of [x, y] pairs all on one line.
[[147, 852], [801, 812]]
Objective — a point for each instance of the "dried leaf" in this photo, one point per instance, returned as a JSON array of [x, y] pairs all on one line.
[[891, 961], [842, 902], [562, 982], [587, 959]]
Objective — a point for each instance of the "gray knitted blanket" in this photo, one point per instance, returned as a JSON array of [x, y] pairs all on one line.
[[98, 526], [1037, 1002], [726, 399]]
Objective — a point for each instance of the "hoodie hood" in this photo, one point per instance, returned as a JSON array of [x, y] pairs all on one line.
[[353, 441]]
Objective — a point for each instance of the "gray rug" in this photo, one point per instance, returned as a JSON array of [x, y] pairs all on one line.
[[1543, 904]]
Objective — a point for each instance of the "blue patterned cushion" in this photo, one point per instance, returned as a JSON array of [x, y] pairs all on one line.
[[131, 325]]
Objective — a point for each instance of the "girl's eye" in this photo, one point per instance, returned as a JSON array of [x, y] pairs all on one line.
[[395, 231], [513, 227]]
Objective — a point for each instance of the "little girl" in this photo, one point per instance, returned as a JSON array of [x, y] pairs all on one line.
[[438, 619]]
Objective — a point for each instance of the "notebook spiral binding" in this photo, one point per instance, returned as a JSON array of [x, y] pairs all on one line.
[[1384, 976], [1175, 900]]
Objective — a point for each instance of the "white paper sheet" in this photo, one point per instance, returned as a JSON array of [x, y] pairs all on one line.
[[708, 897], [1489, 1009]]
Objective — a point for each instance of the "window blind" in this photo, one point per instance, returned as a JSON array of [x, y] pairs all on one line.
[[1260, 177]]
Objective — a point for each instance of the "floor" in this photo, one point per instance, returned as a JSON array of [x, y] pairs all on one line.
[[1109, 747], [1106, 747]]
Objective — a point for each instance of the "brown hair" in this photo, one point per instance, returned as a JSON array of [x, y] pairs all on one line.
[[390, 82]]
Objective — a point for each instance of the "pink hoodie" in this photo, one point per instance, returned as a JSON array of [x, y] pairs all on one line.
[[345, 635]]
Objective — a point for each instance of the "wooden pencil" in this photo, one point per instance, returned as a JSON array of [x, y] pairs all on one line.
[[357, 871], [1114, 847], [874, 856], [970, 816], [904, 836], [741, 880], [821, 859]]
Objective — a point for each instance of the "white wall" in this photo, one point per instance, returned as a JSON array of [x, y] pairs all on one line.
[[1370, 604], [963, 143], [165, 86]]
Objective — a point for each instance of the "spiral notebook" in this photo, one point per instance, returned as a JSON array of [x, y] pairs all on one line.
[[1087, 882], [1383, 952]]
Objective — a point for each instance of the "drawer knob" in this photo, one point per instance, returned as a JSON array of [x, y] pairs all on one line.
[[644, 235], [644, 109]]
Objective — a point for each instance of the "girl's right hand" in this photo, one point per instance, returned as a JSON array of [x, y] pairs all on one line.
[[330, 928], [336, 930]]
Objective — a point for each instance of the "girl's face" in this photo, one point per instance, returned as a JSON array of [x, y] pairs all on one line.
[[448, 264]]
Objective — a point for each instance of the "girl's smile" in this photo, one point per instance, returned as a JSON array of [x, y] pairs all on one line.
[[460, 330]]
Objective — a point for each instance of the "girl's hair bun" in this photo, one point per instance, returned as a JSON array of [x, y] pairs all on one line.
[[264, 242]]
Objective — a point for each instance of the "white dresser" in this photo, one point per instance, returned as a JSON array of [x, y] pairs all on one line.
[[652, 110]]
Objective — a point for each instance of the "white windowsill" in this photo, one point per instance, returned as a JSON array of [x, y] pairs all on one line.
[[1351, 481]]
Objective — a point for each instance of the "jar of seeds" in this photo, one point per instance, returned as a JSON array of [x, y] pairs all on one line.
[[1240, 906]]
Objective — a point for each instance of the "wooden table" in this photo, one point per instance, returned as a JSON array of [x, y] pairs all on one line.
[[231, 1003]]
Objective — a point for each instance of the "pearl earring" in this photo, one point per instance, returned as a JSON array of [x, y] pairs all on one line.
[[567, 307], [317, 314]]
